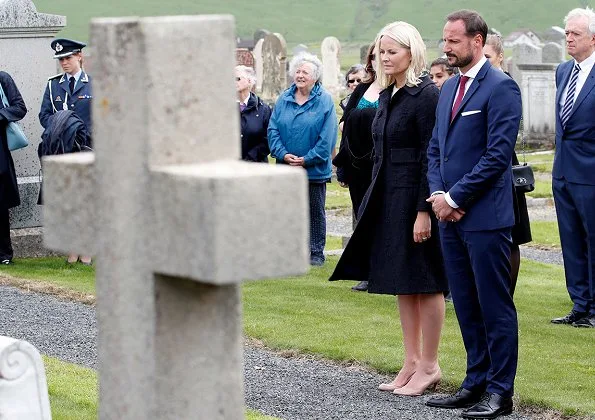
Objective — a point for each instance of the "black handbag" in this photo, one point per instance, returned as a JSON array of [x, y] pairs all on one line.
[[522, 175]]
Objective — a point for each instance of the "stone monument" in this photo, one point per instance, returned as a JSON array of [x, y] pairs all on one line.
[[257, 53], [331, 72], [23, 387], [552, 53], [274, 60], [25, 30], [524, 53], [173, 217]]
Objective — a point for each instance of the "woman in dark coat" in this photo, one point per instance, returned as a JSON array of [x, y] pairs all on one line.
[[354, 159], [521, 231], [254, 116], [395, 245], [9, 190]]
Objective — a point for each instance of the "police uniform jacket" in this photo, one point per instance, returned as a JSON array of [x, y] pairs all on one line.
[[15, 111], [57, 97]]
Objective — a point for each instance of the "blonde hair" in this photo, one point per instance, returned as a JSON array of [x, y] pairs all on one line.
[[408, 37]]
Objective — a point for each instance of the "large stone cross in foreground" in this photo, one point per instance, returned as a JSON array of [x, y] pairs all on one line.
[[174, 219]]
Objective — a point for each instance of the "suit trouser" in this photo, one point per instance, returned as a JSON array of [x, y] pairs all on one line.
[[317, 191], [5, 242], [477, 265], [576, 222]]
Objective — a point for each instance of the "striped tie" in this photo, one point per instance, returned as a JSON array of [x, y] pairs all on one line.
[[567, 108]]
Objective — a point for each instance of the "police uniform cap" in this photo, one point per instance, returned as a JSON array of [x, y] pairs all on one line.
[[64, 47]]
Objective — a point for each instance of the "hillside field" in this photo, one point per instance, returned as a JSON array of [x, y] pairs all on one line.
[[309, 21]]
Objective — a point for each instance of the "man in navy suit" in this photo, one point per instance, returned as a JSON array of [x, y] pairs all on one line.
[[470, 177], [574, 166]]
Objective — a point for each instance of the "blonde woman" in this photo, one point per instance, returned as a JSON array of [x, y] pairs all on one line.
[[395, 245]]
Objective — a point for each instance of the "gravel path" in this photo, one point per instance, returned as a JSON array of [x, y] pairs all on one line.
[[284, 387]]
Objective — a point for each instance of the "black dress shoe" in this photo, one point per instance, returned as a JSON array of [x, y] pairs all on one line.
[[573, 316], [362, 286], [586, 322], [463, 398], [491, 406]]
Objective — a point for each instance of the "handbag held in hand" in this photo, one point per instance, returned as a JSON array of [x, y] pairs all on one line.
[[523, 178], [14, 133]]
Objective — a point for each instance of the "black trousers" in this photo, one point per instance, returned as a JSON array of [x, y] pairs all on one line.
[[5, 243]]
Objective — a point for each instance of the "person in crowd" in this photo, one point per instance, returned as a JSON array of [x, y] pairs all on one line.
[[574, 160], [441, 71], [354, 159], [470, 177], [353, 77], [70, 90], [254, 116], [303, 132], [395, 245], [9, 190], [521, 231]]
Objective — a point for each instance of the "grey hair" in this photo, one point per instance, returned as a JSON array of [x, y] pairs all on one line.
[[249, 73], [304, 57], [587, 12], [356, 68]]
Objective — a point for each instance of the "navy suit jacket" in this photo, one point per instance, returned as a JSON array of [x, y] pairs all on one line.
[[470, 157], [575, 144]]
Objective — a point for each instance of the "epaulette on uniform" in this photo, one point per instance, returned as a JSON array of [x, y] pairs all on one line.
[[56, 76]]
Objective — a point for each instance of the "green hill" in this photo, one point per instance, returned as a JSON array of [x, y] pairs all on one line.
[[310, 21]]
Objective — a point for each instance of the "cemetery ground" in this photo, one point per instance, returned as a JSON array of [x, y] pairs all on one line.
[[308, 316]]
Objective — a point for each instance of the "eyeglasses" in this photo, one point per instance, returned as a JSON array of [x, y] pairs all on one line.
[[350, 81]]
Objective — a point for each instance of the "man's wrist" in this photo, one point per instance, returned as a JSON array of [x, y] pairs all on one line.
[[450, 201]]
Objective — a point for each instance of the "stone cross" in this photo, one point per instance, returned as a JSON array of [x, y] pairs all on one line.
[[274, 58], [176, 221], [331, 72], [23, 388]]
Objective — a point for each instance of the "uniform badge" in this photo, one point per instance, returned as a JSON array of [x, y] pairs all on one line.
[[58, 47], [58, 99], [65, 106]]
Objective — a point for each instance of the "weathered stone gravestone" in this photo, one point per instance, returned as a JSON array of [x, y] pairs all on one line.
[[538, 90], [363, 54], [331, 72], [260, 34], [25, 30], [552, 52], [274, 58], [174, 218], [23, 387], [524, 53], [257, 54]]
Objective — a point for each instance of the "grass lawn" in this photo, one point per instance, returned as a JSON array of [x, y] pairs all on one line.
[[337, 197], [312, 315], [73, 392], [543, 188], [542, 162], [545, 233]]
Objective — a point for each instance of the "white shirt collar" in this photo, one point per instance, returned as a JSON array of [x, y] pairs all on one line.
[[472, 72], [76, 76], [245, 100], [587, 63]]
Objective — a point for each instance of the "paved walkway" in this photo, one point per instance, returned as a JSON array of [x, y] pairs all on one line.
[[285, 387]]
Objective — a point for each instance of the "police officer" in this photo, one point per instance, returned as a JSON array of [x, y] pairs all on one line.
[[71, 89]]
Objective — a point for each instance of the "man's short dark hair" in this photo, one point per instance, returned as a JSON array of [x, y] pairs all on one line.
[[474, 23]]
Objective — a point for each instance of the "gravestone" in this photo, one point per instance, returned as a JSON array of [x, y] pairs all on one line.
[[260, 34], [257, 54], [298, 49], [538, 91], [552, 52], [363, 54], [23, 387], [25, 37], [331, 67], [524, 53], [274, 60], [174, 218], [244, 57]]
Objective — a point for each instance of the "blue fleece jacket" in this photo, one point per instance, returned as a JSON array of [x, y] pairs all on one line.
[[308, 131]]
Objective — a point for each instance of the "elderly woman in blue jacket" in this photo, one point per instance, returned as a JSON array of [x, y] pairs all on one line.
[[302, 132]]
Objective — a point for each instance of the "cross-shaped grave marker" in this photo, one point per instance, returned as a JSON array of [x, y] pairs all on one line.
[[175, 220]]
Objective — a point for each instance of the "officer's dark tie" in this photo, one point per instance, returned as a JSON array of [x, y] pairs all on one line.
[[71, 85]]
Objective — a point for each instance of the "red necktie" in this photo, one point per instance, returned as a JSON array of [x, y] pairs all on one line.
[[460, 95]]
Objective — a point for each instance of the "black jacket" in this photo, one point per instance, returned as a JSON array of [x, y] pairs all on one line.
[[15, 111], [255, 121]]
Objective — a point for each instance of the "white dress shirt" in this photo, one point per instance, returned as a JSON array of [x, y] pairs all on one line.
[[584, 72]]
